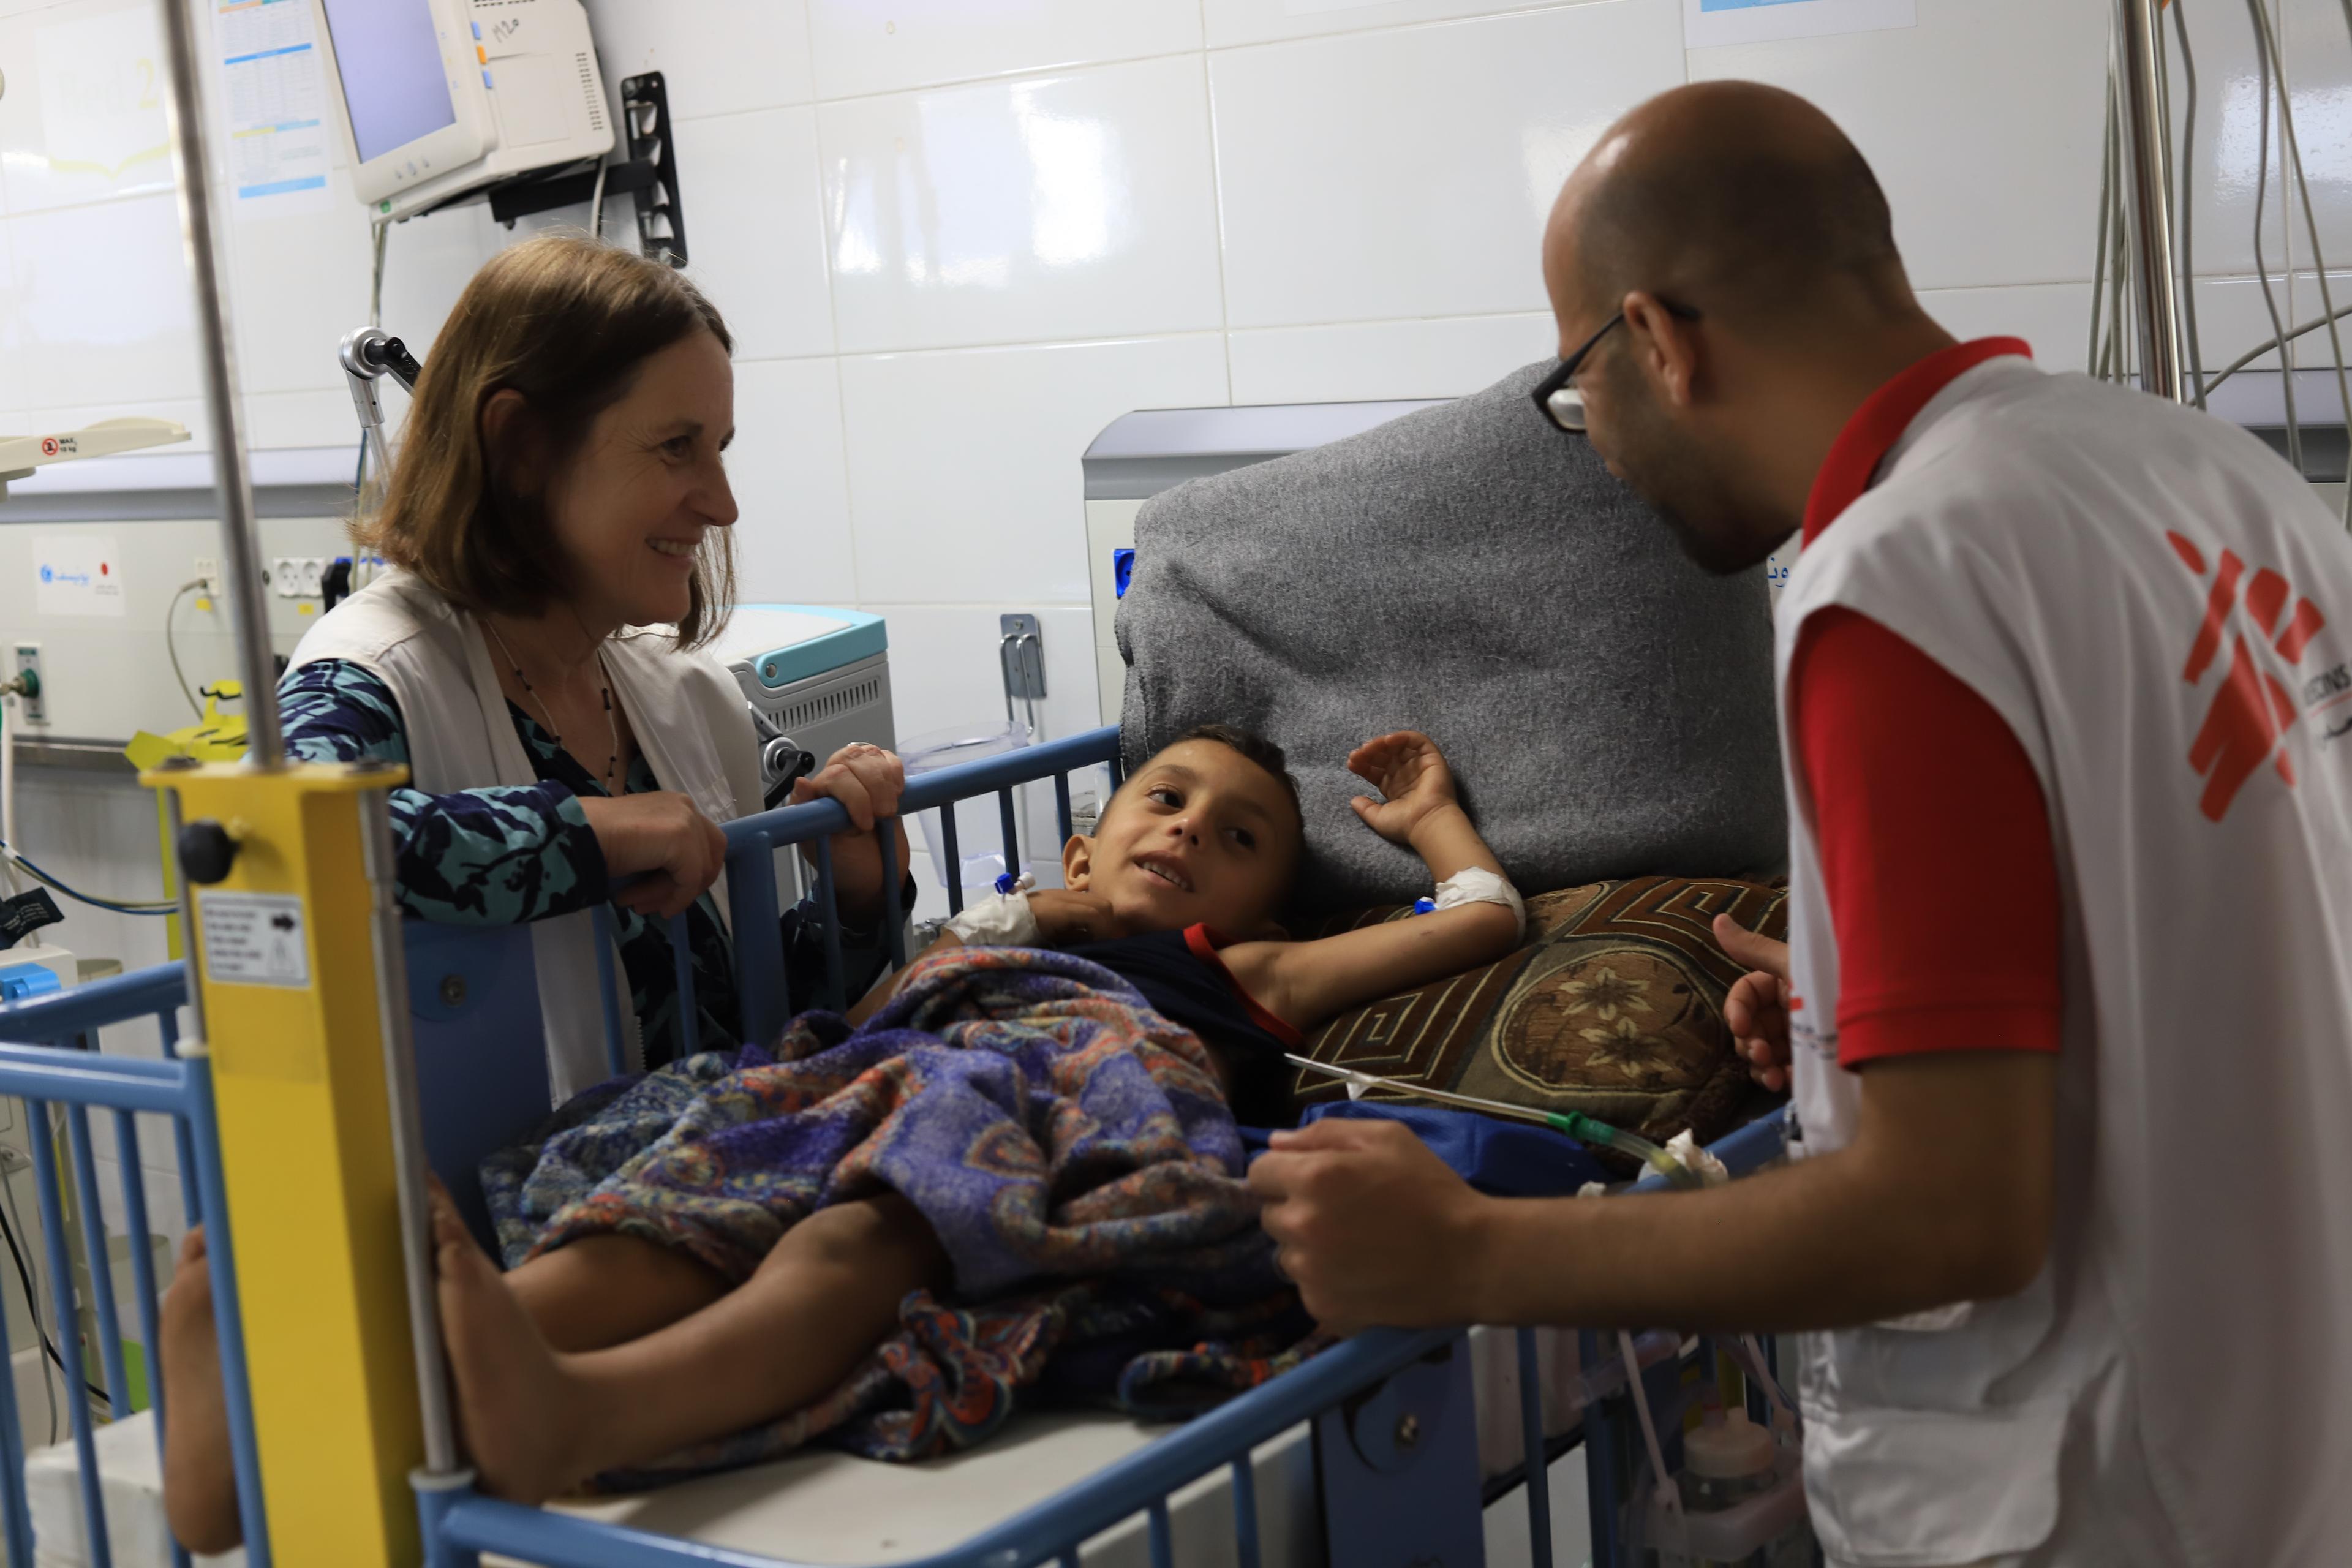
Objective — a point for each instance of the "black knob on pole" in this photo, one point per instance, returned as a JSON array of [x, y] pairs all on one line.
[[207, 851]]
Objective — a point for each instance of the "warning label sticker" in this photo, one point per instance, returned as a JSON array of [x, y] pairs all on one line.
[[254, 938]]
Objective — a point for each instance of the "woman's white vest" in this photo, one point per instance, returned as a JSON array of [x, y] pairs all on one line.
[[689, 716], [2158, 607]]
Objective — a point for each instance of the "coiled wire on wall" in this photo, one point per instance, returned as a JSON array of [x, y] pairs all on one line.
[[2109, 348]]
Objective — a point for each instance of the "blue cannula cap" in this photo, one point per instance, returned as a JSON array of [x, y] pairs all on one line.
[[1004, 883], [1424, 906]]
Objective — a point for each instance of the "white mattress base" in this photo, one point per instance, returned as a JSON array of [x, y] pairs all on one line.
[[825, 1507]]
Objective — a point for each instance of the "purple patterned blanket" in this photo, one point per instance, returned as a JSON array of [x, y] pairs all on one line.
[[1068, 1145]]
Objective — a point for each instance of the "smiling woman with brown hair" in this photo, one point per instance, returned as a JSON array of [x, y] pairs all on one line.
[[558, 521]]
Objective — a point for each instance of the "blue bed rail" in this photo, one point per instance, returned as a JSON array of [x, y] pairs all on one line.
[[1391, 1410], [49, 1060]]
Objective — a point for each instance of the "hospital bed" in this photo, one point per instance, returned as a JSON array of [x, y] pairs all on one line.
[[1383, 1450]]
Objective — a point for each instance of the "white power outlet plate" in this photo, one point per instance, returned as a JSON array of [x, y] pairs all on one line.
[[314, 573], [286, 576], [208, 574], [35, 707]]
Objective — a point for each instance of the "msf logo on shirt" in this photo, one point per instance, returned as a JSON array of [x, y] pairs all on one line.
[[2251, 710]]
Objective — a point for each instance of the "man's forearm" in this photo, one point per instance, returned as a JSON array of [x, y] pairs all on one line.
[[1825, 1243]]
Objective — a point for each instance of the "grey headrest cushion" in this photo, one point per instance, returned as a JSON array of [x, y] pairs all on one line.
[[1472, 572]]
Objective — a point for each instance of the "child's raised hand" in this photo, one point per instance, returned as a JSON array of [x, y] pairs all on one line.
[[1409, 770]]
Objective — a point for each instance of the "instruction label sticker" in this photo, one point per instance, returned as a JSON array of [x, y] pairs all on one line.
[[254, 938], [76, 575]]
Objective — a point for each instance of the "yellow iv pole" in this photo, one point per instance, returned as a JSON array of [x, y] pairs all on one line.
[[300, 997]]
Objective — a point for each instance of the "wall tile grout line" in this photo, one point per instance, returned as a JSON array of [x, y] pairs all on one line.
[[1217, 206]]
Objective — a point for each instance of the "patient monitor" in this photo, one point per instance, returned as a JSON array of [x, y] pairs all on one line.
[[441, 98]]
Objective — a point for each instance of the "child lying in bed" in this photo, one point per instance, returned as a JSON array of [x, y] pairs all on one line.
[[728, 1246]]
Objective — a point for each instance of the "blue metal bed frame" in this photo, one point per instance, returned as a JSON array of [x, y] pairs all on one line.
[[1393, 1410]]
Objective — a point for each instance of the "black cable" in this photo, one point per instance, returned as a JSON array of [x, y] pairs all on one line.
[[24, 1278], [158, 909]]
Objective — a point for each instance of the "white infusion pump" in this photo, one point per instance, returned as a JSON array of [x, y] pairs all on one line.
[[442, 97]]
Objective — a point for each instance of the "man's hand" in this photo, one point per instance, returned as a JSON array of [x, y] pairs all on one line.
[[1372, 1227], [1756, 1010], [1407, 768], [1067, 916]]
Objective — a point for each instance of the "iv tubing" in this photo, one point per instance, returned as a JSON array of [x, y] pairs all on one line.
[[2262, 267], [2268, 40], [1576, 1124]]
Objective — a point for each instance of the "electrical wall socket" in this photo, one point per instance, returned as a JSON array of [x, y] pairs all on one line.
[[208, 574], [298, 576], [33, 704]]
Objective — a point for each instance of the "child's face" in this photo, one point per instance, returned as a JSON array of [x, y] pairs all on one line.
[[1199, 836]]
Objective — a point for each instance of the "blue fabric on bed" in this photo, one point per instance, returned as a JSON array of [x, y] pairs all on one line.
[[1503, 1159]]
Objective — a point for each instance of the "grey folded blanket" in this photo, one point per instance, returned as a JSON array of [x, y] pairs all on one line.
[[1471, 571]]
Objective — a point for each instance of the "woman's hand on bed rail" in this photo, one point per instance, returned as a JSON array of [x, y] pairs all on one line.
[[663, 840], [1756, 1010], [866, 781]]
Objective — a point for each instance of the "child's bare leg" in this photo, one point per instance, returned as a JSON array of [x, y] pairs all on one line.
[[199, 1477], [538, 1421], [601, 1291], [604, 1290]]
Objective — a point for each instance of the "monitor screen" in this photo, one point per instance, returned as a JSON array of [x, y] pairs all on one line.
[[390, 61]]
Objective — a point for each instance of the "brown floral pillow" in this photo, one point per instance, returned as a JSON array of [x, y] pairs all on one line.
[[1614, 1007]]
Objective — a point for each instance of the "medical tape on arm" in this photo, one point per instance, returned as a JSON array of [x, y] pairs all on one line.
[[1479, 885], [1000, 919]]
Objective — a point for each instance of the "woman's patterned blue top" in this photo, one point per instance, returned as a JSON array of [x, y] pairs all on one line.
[[504, 855]]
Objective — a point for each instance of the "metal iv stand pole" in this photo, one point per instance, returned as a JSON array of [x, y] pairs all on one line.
[[306, 822], [240, 542], [2139, 43]]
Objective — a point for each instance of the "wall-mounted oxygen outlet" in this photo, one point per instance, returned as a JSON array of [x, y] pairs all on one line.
[[28, 666]]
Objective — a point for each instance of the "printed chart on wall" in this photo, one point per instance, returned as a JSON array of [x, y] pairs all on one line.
[[1708, 23], [276, 103]]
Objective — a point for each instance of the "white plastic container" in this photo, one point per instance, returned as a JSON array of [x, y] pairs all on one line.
[[1743, 1498]]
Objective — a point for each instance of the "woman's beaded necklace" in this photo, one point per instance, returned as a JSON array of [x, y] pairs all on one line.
[[611, 725]]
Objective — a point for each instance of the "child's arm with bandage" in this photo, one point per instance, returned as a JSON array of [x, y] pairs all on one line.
[[1476, 916]]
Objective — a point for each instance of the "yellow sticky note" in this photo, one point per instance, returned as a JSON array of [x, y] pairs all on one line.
[[306, 609], [202, 602]]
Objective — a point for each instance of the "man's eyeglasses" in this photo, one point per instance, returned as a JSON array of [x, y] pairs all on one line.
[[1556, 393]]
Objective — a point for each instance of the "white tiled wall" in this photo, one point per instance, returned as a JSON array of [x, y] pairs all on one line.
[[955, 237]]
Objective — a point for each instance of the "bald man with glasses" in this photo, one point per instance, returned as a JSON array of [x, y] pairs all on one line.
[[2066, 1011]]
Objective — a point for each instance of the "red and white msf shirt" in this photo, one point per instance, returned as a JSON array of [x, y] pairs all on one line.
[[2067, 689], [1918, 785]]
